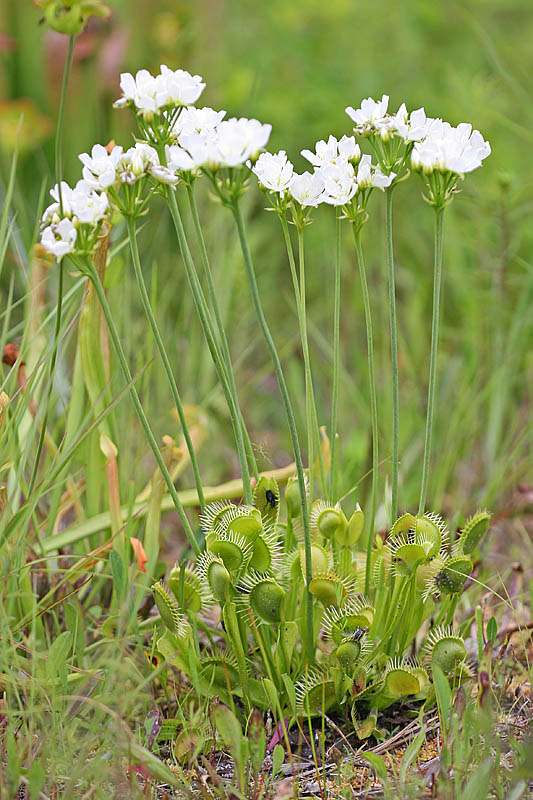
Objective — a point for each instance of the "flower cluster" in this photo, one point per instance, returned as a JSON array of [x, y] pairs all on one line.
[[340, 172], [432, 144], [202, 140], [71, 222], [205, 139], [74, 210], [151, 94], [446, 148]]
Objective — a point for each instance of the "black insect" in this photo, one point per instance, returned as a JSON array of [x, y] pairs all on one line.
[[271, 498]]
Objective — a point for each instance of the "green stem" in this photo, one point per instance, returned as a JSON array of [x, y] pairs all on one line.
[[51, 373], [207, 326], [58, 158], [97, 283], [432, 386], [336, 358], [58, 152], [223, 339], [250, 271], [373, 403], [313, 427], [132, 234], [394, 356]]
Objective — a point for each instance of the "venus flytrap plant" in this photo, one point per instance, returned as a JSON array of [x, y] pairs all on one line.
[[359, 648], [313, 615]]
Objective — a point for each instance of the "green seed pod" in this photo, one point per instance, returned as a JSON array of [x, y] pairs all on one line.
[[293, 498], [266, 500], [347, 654], [473, 531], [451, 578], [315, 693], [329, 521], [445, 648], [355, 528], [70, 18], [330, 589], [169, 610]]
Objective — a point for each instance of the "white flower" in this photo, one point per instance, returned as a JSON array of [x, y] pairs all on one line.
[[177, 87], [136, 163], [59, 238], [274, 171], [394, 124], [81, 202], [339, 183], [88, 206], [54, 208], [333, 151], [202, 121], [100, 167], [178, 159], [150, 94], [140, 90], [450, 149], [419, 125], [368, 116], [369, 176], [307, 189], [237, 140], [164, 175]]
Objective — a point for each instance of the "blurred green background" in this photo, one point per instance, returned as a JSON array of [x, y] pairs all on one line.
[[298, 64]]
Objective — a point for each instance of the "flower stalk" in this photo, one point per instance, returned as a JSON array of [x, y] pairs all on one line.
[[145, 299], [336, 358], [207, 326], [435, 325], [393, 324], [223, 339], [373, 402], [313, 429], [250, 271]]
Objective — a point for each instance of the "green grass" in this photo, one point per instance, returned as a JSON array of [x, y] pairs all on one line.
[[78, 689]]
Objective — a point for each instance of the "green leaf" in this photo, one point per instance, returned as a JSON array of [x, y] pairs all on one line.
[[492, 630], [56, 666], [478, 785], [411, 753], [271, 692], [228, 727], [118, 572], [377, 763], [278, 757], [291, 692]]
